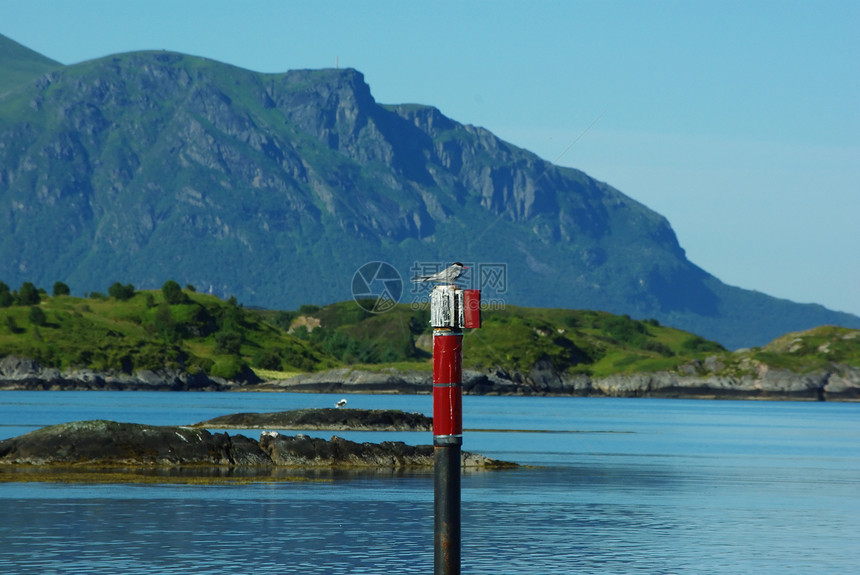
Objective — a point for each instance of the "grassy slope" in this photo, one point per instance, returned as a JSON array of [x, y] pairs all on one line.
[[574, 341], [204, 333], [810, 350], [221, 338], [19, 65]]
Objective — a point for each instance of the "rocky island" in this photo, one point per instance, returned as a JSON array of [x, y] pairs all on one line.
[[334, 419], [109, 444]]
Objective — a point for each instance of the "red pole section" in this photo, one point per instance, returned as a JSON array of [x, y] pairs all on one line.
[[447, 385], [471, 308]]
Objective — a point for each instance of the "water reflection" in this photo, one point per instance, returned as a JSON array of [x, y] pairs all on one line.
[[199, 474], [275, 534]]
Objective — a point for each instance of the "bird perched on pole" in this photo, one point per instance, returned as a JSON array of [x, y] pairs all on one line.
[[448, 275]]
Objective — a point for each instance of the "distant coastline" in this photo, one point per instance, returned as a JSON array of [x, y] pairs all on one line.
[[840, 383]]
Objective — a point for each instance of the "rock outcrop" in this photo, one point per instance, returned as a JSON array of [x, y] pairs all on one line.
[[26, 374], [304, 451], [110, 444], [328, 418], [348, 380]]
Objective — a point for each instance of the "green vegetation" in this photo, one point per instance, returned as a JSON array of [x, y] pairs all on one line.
[[120, 292], [28, 294], [141, 330], [21, 65], [128, 330], [173, 293], [574, 341], [810, 350], [61, 289]]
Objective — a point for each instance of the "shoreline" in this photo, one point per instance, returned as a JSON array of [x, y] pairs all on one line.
[[701, 380], [840, 385]]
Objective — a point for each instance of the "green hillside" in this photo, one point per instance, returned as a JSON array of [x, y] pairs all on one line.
[[127, 330], [810, 350], [20, 64], [574, 341], [195, 332], [512, 339]]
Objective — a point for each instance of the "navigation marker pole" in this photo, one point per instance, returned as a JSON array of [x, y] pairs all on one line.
[[451, 309]]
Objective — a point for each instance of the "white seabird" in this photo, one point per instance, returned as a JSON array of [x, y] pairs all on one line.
[[448, 275]]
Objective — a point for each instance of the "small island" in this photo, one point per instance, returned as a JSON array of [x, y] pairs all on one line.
[[334, 419], [112, 445]]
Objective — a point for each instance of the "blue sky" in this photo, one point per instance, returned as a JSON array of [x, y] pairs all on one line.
[[737, 120]]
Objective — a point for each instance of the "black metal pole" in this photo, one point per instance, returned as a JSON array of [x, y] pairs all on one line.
[[446, 534]]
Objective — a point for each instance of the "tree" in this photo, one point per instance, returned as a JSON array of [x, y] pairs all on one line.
[[37, 316], [268, 359], [283, 319], [165, 325], [228, 342], [28, 294], [232, 317], [6, 298], [12, 325], [121, 292], [173, 293], [61, 289]]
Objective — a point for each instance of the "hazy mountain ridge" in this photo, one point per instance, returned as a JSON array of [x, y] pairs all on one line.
[[277, 187], [20, 64]]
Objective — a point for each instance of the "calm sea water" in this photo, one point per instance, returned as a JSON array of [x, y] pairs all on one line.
[[619, 486]]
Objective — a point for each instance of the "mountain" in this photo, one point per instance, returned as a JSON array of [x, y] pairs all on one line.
[[277, 188], [20, 64]]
